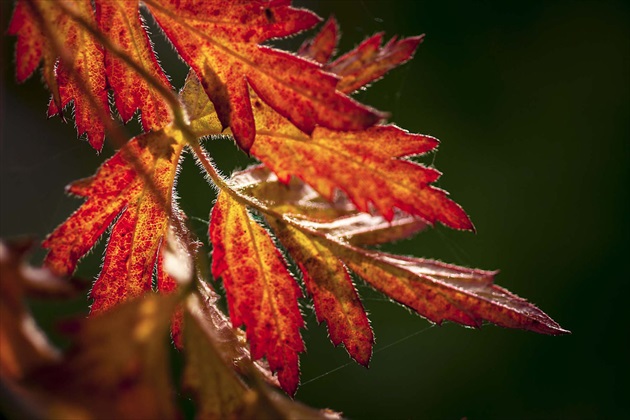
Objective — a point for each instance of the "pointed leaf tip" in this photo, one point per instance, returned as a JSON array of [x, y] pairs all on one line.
[[322, 46], [369, 61]]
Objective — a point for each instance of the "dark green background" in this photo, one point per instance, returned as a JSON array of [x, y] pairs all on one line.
[[531, 103]]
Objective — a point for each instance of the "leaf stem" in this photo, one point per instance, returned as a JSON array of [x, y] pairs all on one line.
[[208, 165]]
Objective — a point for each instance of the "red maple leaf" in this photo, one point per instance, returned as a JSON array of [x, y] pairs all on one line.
[[118, 195], [294, 115], [42, 26], [364, 64], [122, 23], [373, 156], [222, 45], [37, 41], [262, 294]]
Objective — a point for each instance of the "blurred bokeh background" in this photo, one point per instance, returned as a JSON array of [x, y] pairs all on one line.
[[531, 101]]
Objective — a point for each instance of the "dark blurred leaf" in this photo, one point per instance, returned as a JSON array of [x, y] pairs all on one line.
[[23, 346], [118, 366]]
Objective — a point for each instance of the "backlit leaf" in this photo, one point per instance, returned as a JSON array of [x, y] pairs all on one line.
[[91, 67], [220, 374], [369, 61], [334, 296], [203, 118], [444, 292], [364, 64], [332, 160], [118, 194], [333, 183], [261, 293], [222, 45], [80, 47], [121, 22], [33, 46], [435, 290], [338, 218], [117, 367], [294, 197], [322, 46], [229, 342]]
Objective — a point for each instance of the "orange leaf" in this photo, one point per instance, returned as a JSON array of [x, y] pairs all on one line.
[[216, 357], [331, 161], [121, 22], [211, 349], [294, 197], [261, 293], [369, 61], [222, 45], [215, 353], [91, 66], [366, 63], [87, 65], [200, 111], [80, 48], [118, 193], [440, 291], [435, 290], [322, 46], [230, 342], [338, 218], [33, 46], [445, 292], [335, 297], [117, 366]]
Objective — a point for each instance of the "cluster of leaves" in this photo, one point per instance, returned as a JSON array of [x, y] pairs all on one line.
[[334, 180], [118, 366]]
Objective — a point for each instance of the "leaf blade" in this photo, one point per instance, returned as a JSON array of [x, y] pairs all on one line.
[[435, 290], [334, 295], [262, 294], [122, 23], [222, 46], [322, 46], [465, 296], [118, 191], [373, 156], [439, 291], [369, 61]]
